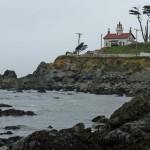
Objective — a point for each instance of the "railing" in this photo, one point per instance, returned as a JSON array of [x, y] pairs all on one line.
[[109, 55], [112, 55]]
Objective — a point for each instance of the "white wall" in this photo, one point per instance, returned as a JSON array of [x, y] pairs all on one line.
[[144, 54], [119, 40]]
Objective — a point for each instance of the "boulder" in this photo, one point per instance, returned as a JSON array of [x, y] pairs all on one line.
[[41, 91], [9, 74], [133, 110], [101, 119], [4, 148], [74, 139], [6, 133], [5, 105], [15, 112], [12, 128], [127, 128]]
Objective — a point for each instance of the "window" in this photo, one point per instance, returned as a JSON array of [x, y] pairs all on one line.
[[129, 38]]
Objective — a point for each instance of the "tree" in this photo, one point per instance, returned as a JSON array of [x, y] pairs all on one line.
[[146, 10]]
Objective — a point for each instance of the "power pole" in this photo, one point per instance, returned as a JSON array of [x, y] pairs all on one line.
[[101, 40], [79, 35], [136, 37]]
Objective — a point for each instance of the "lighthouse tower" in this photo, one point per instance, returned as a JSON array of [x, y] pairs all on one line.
[[119, 29]]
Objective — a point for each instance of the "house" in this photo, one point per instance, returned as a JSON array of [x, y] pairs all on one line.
[[118, 38]]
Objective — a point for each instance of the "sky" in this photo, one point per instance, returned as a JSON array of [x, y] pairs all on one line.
[[32, 31]]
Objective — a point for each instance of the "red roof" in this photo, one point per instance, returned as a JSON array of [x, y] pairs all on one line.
[[116, 36]]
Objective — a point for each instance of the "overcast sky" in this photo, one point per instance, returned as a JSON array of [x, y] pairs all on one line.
[[32, 31]]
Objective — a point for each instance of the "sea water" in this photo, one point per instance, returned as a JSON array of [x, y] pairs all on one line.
[[58, 109]]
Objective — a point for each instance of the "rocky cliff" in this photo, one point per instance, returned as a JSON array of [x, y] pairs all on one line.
[[88, 74], [106, 64]]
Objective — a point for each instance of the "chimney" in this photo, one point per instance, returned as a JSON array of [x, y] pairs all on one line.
[[130, 31], [108, 30]]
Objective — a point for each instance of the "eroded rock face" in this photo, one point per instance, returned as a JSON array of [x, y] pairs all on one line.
[[9, 74]]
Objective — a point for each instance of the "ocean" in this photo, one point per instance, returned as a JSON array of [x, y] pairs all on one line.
[[58, 109]]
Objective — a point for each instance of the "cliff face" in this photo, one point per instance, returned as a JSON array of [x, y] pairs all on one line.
[[106, 64], [89, 74]]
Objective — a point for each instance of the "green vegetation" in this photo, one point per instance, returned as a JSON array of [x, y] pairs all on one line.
[[127, 49]]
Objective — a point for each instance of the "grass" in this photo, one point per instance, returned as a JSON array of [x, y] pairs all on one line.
[[127, 49]]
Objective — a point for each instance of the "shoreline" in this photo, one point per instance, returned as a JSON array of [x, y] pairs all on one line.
[[113, 132]]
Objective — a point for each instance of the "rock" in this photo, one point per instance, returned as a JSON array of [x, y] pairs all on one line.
[[58, 87], [41, 91], [30, 113], [10, 141], [8, 83], [14, 112], [9, 74], [118, 133], [142, 76], [56, 97], [128, 127], [19, 90], [50, 127], [4, 148], [101, 119], [12, 128], [5, 105], [99, 122], [133, 110], [70, 94], [43, 68], [78, 127], [1, 143], [66, 139], [53, 132], [6, 133]]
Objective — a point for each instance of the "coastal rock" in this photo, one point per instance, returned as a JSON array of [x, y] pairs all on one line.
[[9, 74], [6, 133], [8, 83], [10, 141], [131, 131], [133, 110], [101, 119], [128, 127], [93, 75], [5, 105], [4, 148], [8, 79], [41, 91], [62, 140], [15, 112], [42, 69], [12, 128], [78, 127]]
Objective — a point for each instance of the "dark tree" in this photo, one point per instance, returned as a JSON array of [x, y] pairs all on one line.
[[135, 11], [146, 10]]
